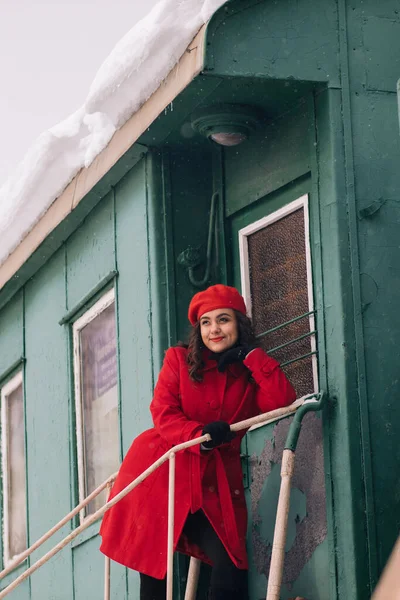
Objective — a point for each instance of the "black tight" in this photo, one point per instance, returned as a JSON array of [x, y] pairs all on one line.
[[227, 581], [151, 588]]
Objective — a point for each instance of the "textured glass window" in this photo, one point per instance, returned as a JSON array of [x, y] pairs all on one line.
[[279, 293], [99, 402], [14, 471]]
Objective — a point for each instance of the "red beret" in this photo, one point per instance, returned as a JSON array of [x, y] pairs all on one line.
[[216, 296]]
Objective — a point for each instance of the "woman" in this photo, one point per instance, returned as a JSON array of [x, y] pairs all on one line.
[[221, 377]]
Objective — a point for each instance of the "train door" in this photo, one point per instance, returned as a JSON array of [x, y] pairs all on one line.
[[272, 264]]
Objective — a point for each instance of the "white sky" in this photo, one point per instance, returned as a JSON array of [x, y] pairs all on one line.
[[49, 54]]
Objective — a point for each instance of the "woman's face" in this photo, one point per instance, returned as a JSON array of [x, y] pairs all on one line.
[[219, 329]]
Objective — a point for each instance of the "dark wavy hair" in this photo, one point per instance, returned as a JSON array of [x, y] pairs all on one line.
[[195, 344]]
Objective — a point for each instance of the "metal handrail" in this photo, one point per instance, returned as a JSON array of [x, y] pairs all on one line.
[[24, 555], [264, 418]]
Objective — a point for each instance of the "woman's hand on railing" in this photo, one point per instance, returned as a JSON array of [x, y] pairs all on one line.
[[220, 432]]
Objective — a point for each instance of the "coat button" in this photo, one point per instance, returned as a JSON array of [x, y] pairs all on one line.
[[214, 404], [211, 488], [237, 492]]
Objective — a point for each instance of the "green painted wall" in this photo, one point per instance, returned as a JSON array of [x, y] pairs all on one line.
[[374, 63], [12, 328], [47, 422], [283, 40], [114, 237], [191, 190]]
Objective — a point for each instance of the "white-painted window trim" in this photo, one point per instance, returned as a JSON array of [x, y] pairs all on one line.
[[6, 390], [244, 233], [93, 312]]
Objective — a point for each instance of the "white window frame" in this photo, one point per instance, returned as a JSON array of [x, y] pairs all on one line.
[[301, 202], [6, 391], [94, 311]]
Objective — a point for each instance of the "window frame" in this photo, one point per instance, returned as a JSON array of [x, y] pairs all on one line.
[[6, 390], [87, 317], [245, 232]]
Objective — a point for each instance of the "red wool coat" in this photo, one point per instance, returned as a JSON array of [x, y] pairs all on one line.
[[134, 531]]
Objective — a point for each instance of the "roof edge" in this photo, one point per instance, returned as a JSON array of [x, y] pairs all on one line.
[[188, 67]]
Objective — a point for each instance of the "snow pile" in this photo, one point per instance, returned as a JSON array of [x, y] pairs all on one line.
[[128, 77]]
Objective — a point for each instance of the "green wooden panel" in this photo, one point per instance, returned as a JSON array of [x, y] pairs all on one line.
[[376, 144], [278, 40], [343, 411], [161, 261], [377, 176], [11, 333], [54, 579], [382, 52], [89, 574], [133, 579], [266, 205], [134, 312], [90, 251], [191, 184], [275, 156], [47, 417], [398, 98], [145, 300], [22, 592]]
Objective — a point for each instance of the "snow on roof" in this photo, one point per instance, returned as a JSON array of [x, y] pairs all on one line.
[[138, 64]]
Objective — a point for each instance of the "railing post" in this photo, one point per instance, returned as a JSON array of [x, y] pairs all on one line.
[[171, 515], [312, 403], [106, 578], [192, 579], [107, 564], [278, 546]]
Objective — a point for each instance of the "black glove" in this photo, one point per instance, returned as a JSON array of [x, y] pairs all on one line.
[[220, 433], [235, 354]]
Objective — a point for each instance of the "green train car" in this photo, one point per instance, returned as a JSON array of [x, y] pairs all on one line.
[[269, 159]]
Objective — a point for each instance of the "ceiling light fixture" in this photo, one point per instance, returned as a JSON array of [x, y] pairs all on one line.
[[226, 124]]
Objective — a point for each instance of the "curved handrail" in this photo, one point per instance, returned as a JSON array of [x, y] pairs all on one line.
[[264, 418]]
